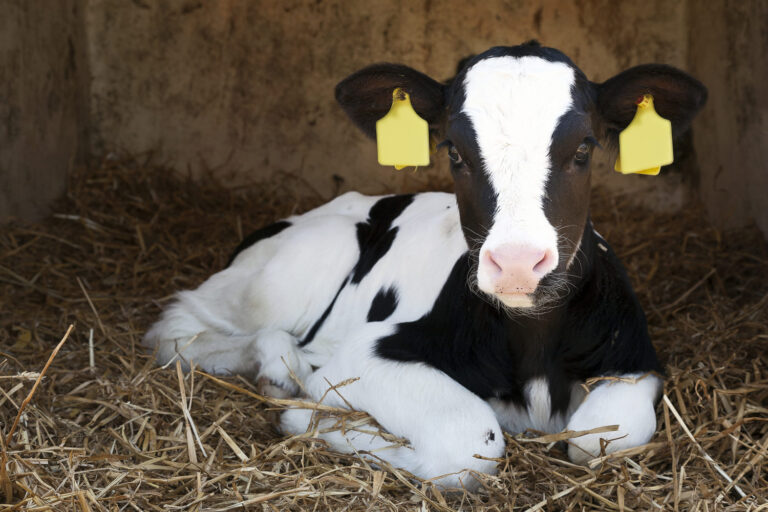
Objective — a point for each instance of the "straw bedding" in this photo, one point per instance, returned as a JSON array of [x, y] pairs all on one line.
[[114, 432]]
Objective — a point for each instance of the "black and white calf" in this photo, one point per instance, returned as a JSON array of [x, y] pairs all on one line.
[[461, 315]]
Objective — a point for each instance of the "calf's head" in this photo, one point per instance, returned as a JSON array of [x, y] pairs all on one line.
[[520, 124]]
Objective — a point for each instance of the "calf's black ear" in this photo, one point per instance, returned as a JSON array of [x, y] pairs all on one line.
[[366, 96], [677, 96]]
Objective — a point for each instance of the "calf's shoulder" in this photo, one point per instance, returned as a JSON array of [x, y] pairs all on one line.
[[605, 329]]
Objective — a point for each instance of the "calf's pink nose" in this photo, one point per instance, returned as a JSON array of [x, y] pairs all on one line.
[[518, 269]]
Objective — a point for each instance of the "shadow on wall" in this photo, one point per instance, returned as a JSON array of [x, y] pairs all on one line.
[[41, 70], [248, 87], [245, 89]]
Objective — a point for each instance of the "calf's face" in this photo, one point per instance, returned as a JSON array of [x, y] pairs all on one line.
[[520, 139], [520, 124]]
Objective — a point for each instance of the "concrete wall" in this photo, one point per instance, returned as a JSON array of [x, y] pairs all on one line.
[[244, 89], [247, 87], [729, 41], [39, 89]]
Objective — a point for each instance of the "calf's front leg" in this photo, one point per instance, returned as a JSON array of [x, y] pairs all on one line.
[[628, 403], [445, 423]]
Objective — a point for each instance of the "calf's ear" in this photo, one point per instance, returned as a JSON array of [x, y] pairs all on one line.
[[366, 96], [677, 96]]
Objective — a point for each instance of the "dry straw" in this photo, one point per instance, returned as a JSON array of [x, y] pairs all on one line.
[[105, 429]]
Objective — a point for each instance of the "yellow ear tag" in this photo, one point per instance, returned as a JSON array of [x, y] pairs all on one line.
[[402, 136], [646, 144]]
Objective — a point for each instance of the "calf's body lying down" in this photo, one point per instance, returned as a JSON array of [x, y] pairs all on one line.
[[460, 315]]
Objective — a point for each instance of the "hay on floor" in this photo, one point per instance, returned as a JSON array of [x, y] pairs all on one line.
[[108, 430]]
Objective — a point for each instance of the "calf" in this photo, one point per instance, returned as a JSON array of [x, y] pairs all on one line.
[[460, 315]]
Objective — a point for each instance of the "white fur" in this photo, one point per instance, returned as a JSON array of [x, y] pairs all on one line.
[[517, 300], [279, 356], [575, 253], [628, 403], [538, 414], [539, 402], [427, 245], [514, 105], [284, 283], [445, 423], [248, 319]]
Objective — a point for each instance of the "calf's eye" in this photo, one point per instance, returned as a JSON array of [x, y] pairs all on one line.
[[582, 154], [454, 155]]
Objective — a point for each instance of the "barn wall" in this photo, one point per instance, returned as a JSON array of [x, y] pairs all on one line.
[[244, 89], [731, 137], [248, 86], [39, 91]]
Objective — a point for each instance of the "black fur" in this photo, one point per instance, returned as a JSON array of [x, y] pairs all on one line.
[[375, 236], [259, 234], [599, 330], [677, 96], [383, 305], [366, 96], [320, 321], [475, 194], [524, 50]]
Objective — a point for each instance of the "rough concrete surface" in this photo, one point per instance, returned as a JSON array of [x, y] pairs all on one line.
[[730, 40], [38, 112], [244, 89], [248, 86]]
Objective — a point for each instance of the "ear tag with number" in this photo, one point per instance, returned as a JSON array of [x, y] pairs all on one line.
[[402, 136], [646, 144]]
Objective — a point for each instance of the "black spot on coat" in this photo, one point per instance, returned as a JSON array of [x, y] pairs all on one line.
[[375, 235], [383, 305], [259, 234], [320, 321]]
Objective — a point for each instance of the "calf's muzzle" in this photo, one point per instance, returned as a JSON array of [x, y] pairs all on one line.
[[513, 271]]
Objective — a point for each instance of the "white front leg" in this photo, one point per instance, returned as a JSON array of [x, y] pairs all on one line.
[[630, 405], [446, 424]]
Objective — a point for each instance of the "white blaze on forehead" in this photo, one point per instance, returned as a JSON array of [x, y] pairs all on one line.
[[514, 104]]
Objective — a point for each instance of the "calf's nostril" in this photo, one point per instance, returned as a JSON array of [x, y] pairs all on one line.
[[545, 263], [492, 263]]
